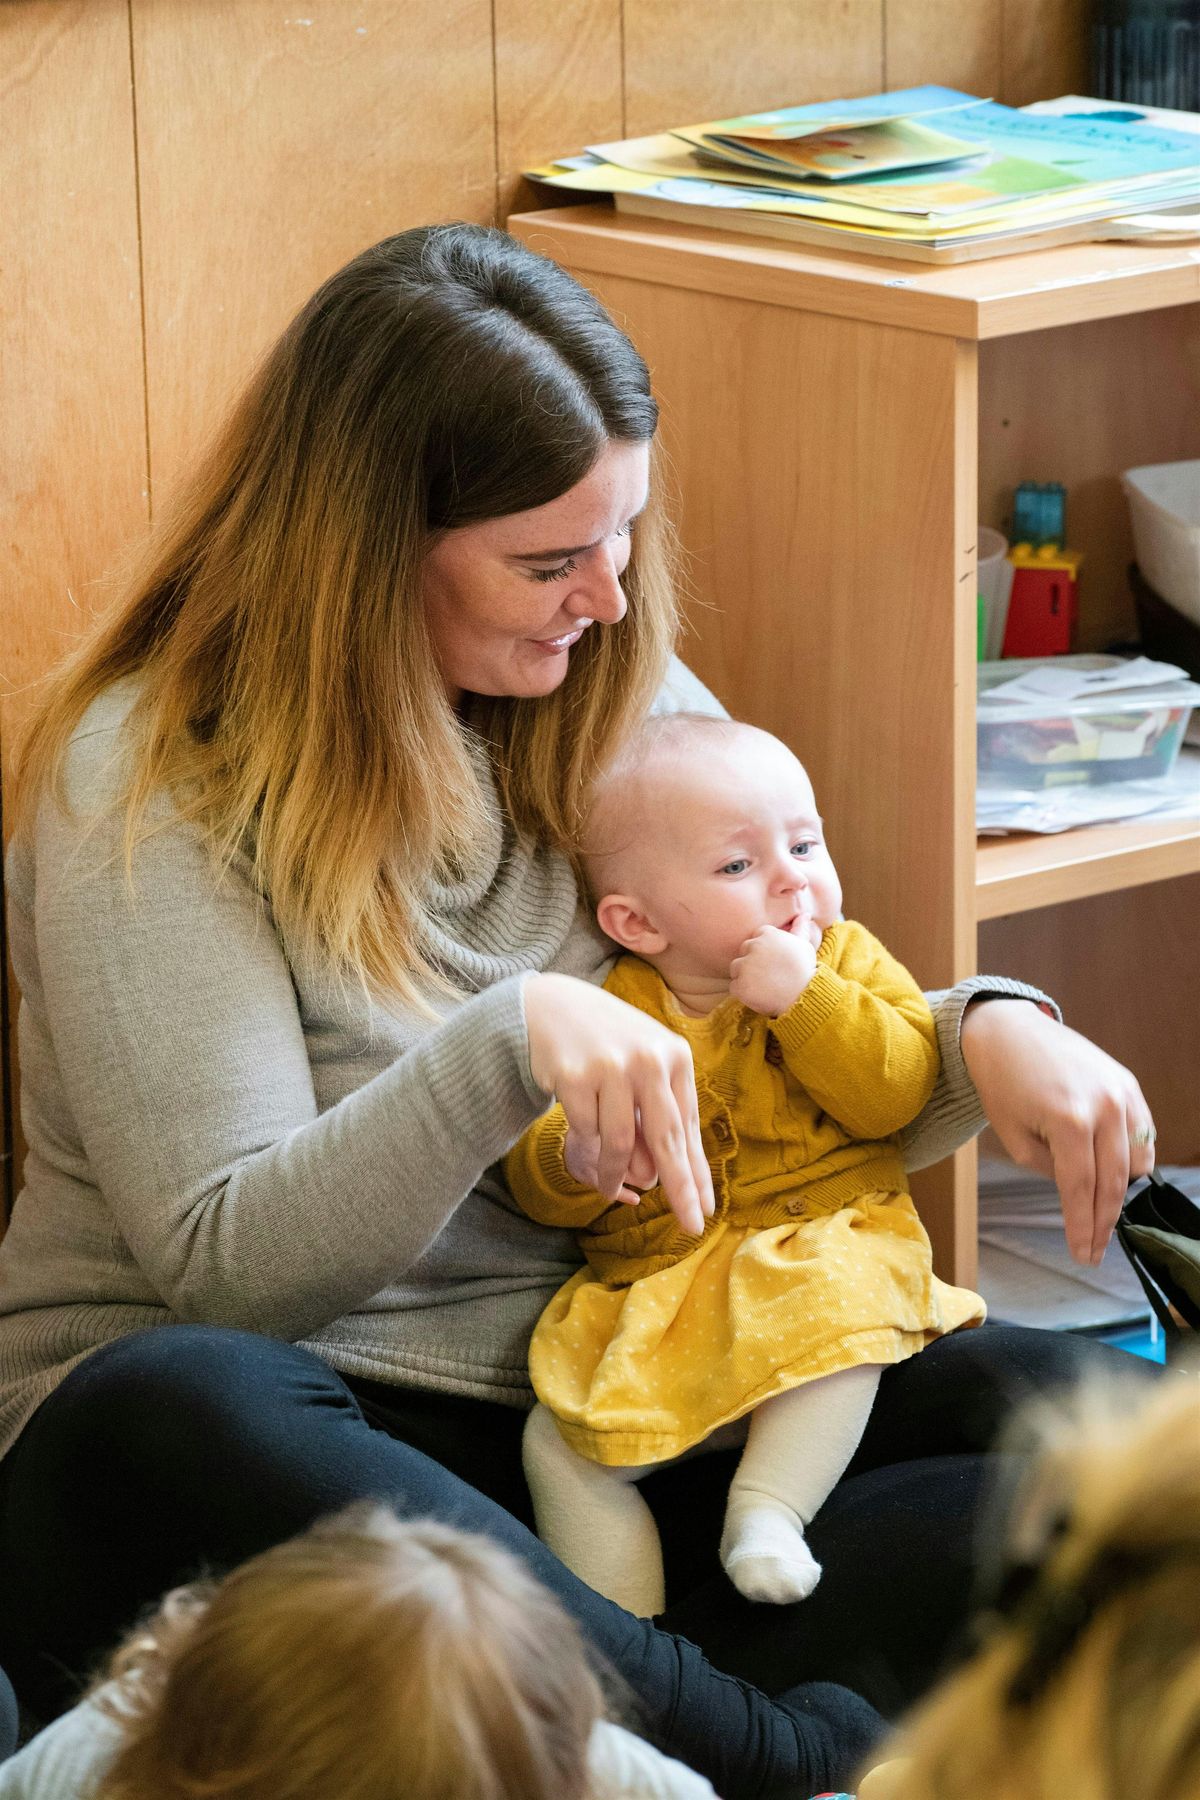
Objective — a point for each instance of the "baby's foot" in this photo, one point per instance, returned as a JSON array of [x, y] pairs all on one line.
[[765, 1556]]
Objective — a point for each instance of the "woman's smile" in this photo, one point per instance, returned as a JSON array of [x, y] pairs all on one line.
[[553, 645]]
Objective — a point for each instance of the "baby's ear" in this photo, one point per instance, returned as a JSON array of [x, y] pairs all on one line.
[[621, 919]]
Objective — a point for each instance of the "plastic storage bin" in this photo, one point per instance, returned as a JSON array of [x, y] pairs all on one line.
[[1164, 508], [1034, 744]]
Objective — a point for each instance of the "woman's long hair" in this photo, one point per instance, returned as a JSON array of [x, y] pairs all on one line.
[[369, 1659], [288, 694], [1087, 1682]]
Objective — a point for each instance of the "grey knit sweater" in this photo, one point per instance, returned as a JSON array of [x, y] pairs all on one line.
[[219, 1132]]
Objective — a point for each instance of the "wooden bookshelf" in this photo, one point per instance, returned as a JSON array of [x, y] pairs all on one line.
[[836, 427]]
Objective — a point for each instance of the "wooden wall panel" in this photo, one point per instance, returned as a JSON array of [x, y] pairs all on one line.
[[272, 146], [73, 473], [1010, 50], [1045, 50], [688, 60], [72, 436], [558, 87], [960, 47]]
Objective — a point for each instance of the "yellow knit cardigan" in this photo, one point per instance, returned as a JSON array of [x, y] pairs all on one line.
[[798, 1113]]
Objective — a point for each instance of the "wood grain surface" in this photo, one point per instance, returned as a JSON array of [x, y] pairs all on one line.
[[559, 86], [73, 431], [959, 46], [73, 463], [1045, 50], [691, 60], [274, 142]]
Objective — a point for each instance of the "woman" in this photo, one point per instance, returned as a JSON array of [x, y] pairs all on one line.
[[301, 955]]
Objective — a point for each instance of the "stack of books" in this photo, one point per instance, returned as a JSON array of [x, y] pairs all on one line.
[[928, 174]]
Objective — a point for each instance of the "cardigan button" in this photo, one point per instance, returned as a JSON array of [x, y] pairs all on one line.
[[722, 1130], [744, 1034], [795, 1207], [774, 1053]]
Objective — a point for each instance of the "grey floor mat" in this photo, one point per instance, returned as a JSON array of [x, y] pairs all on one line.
[[1026, 1273]]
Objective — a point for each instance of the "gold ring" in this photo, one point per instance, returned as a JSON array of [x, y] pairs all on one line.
[[1141, 1136]]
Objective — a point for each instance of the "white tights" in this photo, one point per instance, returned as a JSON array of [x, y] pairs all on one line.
[[797, 1447]]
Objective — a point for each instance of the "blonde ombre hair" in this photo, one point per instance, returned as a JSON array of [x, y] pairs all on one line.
[[369, 1659], [288, 697], [1087, 1681]]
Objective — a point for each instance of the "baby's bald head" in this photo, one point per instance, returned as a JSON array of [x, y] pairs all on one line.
[[647, 798]]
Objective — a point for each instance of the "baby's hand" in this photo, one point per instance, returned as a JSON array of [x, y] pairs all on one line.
[[582, 1158], [772, 970]]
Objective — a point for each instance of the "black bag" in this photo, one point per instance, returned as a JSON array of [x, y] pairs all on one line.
[[1159, 1231]]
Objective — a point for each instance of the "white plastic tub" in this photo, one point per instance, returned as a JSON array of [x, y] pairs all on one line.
[[995, 579], [1164, 508]]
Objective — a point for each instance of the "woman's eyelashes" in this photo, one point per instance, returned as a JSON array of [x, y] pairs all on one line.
[[569, 567], [564, 569]]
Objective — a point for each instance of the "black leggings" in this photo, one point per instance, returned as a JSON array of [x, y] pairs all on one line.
[[193, 1446]]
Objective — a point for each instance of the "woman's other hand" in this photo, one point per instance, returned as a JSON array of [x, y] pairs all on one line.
[[1062, 1106], [628, 1087]]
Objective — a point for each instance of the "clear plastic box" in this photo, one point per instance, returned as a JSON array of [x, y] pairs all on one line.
[[1038, 743]]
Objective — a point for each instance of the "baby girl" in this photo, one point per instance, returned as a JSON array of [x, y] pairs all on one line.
[[813, 1048]]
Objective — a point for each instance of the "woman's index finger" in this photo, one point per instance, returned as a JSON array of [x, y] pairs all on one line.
[[665, 1129]]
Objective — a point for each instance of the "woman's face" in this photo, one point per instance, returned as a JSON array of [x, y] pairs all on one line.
[[507, 599]]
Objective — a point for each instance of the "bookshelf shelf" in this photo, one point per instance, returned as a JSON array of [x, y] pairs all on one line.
[[836, 428], [997, 298], [1019, 874]]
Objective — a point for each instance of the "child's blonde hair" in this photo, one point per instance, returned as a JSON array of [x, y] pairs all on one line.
[[620, 816], [369, 1659], [1087, 1681]]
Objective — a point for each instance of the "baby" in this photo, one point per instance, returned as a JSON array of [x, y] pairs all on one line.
[[813, 1048]]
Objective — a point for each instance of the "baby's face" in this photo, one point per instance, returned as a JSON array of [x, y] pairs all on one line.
[[733, 842]]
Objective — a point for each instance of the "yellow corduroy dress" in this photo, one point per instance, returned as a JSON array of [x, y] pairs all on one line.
[[814, 1260]]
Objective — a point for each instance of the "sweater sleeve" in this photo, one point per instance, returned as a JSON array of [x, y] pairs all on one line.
[[66, 1761], [540, 1183], [953, 1114], [861, 1038], [177, 1035]]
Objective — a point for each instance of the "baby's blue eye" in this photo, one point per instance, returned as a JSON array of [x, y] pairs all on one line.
[[803, 848], [735, 867]]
